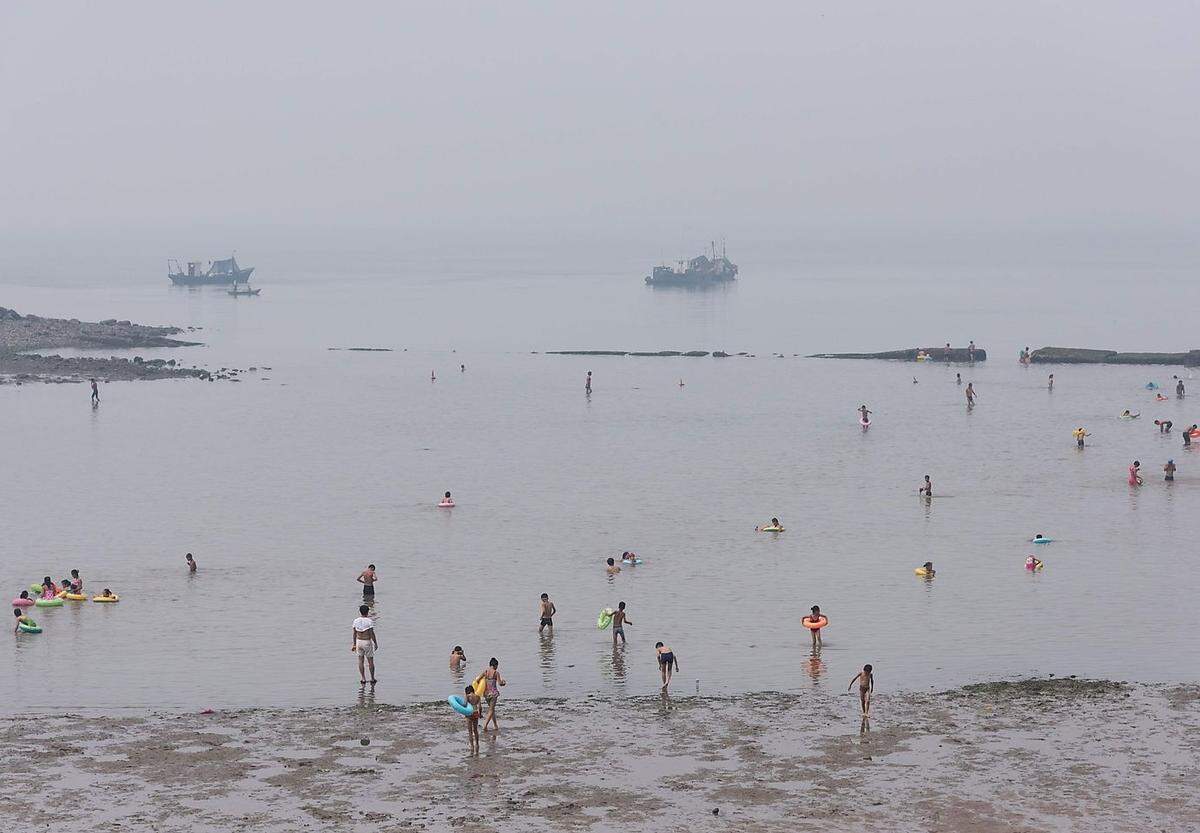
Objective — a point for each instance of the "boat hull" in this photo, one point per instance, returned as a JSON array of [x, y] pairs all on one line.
[[239, 276]]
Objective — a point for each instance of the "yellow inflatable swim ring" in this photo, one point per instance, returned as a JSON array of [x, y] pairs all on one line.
[[108, 599], [75, 597]]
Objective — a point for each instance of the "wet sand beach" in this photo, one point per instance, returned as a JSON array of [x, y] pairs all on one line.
[[1035, 755]]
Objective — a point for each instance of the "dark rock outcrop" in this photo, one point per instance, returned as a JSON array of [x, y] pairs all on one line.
[[1080, 355], [639, 353], [936, 354]]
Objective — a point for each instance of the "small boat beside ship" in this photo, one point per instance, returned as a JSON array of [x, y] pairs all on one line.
[[705, 270], [217, 272], [243, 290]]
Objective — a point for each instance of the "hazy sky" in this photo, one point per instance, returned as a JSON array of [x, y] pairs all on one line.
[[522, 118]]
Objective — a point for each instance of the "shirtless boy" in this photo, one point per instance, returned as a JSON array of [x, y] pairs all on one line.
[[612, 568], [866, 685], [619, 621], [367, 579], [547, 612]]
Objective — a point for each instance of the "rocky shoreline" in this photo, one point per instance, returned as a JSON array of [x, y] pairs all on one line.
[[716, 354], [936, 354], [1031, 755], [1082, 355], [20, 335]]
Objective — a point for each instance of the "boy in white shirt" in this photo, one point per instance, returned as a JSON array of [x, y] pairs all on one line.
[[365, 644]]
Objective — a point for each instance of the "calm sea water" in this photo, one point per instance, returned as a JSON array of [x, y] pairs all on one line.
[[287, 484]]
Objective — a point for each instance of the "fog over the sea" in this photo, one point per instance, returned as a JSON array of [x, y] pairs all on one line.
[[169, 124]]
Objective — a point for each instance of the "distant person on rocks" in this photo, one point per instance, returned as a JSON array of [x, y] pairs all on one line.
[[947, 351], [971, 351], [367, 579], [587, 385], [365, 644], [95, 393], [866, 686], [191, 562], [667, 662]]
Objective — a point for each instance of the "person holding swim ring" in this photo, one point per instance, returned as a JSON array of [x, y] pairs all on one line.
[[814, 622]]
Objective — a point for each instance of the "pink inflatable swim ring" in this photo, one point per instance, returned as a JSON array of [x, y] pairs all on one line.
[[22, 602], [446, 504]]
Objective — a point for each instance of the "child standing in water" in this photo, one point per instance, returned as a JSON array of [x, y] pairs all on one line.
[[612, 569], [1169, 469], [864, 414], [866, 686], [814, 619], [926, 488], [191, 562], [473, 719], [970, 393], [619, 621], [491, 692], [1135, 477], [457, 658], [547, 612], [666, 659]]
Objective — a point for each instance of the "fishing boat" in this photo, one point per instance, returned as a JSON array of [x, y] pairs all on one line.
[[217, 272], [705, 270]]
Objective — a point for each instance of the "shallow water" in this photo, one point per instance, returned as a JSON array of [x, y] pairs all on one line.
[[285, 485]]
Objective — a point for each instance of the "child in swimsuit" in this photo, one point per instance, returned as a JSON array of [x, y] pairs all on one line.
[[612, 568], [491, 692], [1032, 563], [547, 612], [457, 658], [666, 663], [473, 719], [49, 588], [1135, 479], [866, 685], [1169, 468], [22, 619], [815, 617], [619, 621]]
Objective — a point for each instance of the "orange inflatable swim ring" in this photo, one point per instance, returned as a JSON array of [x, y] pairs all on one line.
[[814, 624]]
